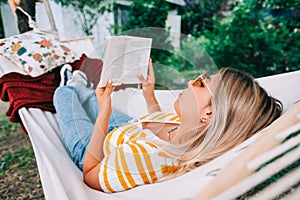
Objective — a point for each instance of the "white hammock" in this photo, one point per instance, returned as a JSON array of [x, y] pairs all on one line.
[[61, 179]]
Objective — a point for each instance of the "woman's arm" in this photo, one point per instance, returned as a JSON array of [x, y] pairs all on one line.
[[148, 90], [94, 153]]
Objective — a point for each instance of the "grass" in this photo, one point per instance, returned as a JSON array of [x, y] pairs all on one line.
[[20, 158], [19, 178]]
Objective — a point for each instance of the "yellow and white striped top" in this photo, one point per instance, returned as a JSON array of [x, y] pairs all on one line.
[[131, 159]]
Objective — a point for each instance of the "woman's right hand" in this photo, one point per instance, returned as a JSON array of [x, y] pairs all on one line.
[[103, 95]]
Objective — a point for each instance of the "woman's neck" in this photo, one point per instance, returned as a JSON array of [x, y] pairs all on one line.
[[165, 131]]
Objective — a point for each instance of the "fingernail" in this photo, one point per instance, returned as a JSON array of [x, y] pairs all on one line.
[[139, 74], [109, 81]]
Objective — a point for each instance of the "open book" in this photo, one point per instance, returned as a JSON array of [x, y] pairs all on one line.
[[124, 58]]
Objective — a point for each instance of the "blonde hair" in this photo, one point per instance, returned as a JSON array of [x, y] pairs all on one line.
[[240, 109]]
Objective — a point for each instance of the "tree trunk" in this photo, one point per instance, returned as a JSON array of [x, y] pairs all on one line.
[[29, 7]]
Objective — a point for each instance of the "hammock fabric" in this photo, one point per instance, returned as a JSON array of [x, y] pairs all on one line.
[[60, 177]]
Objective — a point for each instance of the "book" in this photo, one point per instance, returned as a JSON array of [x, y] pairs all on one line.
[[124, 58]]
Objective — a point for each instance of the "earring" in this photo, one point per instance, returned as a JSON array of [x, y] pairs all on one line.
[[202, 119]]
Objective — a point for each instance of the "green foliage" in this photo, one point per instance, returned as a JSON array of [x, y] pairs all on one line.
[[276, 4], [8, 127], [88, 12], [1, 22], [255, 40], [20, 158], [1, 29], [197, 15], [152, 13]]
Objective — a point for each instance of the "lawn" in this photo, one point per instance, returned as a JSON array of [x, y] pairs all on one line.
[[19, 178]]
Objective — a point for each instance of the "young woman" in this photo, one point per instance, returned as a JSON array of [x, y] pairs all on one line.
[[214, 114]]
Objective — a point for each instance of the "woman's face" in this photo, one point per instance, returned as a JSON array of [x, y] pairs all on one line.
[[195, 101]]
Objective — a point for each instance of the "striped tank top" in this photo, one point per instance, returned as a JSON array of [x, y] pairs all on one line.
[[131, 158]]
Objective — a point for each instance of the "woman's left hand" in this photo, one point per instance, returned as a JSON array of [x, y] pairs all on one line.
[[147, 85], [104, 98]]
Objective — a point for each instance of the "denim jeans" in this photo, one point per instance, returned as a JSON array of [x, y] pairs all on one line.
[[77, 111]]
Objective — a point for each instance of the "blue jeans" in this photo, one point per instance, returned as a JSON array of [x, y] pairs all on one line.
[[77, 111]]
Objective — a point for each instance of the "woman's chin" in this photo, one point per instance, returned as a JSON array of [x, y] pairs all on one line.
[[177, 108]]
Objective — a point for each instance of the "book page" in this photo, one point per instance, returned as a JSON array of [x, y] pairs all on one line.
[[113, 61], [125, 57], [136, 59]]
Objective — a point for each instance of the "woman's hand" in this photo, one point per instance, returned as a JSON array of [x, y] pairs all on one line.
[[147, 86], [103, 95]]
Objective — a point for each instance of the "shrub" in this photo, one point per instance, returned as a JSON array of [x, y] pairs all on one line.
[[1, 22], [197, 15], [152, 13], [254, 40]]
